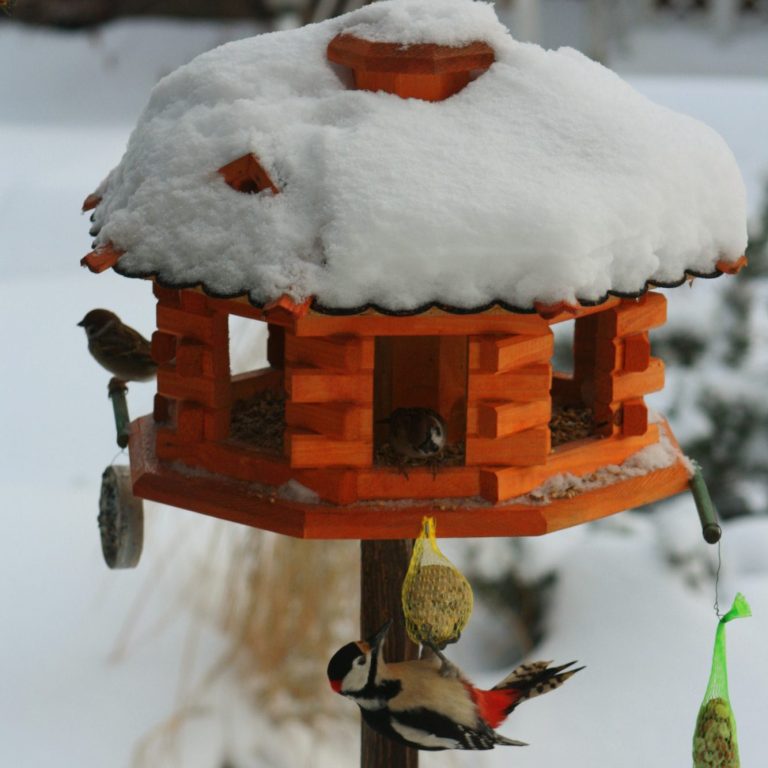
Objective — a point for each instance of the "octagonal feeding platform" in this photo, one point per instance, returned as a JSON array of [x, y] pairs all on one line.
[[411, 216]]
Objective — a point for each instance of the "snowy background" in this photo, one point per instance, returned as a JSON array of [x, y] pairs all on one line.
[[92, 661]]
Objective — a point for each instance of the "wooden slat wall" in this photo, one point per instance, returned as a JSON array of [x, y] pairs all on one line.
[[329, 406], [508, 399], [191, 347], [617, 359]]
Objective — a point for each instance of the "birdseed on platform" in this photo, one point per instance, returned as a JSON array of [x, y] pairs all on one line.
[[571, 422], [451, 456], [260, 421]]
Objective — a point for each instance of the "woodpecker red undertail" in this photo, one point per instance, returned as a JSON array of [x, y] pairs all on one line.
[[430, 705]]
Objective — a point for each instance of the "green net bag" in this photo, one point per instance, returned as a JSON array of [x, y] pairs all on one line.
[[714, 740], [437, 598]]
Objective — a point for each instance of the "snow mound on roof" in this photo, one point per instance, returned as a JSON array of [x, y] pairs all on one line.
[[545, 179]]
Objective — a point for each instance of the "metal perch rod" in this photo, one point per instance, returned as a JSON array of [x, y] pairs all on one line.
[[705, 507], [117, 390]]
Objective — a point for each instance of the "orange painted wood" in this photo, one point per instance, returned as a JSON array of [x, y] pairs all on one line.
[[210, 392], [346, 353], [608, 355], [637, 352], [421, 483], [314, 385], [583, 311], [527, 448], [168, 447], [216, 423], [189, 357], [194, 300], [579, 458], [531, 382], [211, 330], [502, 419], [451, 368], [189, 422], [634, 418], [628, 494], [731, 267], [169, 297], [307, 449], [430, 323], [422, 58], [551, 311], [566, 390], [285, 311], [232, 460], [335, 486], [102, 259], [623, 386], [239, 305], [239, 461], [246, 174], [163, 347], [91, 202], [245, 385], [634, 316], [585, 345], [343, 421], [507, 352], [413, 372], [276, 345], [244, 503], [433, 87], [161, 410], [607, 418]]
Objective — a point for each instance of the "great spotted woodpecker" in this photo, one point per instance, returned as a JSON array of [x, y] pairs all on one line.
[[432, 706]]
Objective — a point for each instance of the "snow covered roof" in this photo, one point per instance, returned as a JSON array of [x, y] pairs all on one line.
[[546, 179]]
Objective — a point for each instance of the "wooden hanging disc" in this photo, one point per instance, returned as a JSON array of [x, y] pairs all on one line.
[[121, 519]]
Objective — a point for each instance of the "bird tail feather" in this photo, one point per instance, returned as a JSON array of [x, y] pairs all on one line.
[[531, 680]]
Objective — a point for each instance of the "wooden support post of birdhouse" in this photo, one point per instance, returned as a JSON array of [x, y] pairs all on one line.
[[382, 569]]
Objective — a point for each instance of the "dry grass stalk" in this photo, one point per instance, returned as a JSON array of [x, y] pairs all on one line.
[[290, 604]]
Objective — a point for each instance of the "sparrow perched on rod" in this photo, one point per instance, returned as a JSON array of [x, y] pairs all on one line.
[[117, 347], [417, 703]]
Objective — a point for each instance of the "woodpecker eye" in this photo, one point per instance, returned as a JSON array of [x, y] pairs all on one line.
[[360, 660]]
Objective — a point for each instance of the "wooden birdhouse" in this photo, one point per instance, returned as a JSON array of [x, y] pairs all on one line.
[[465, 325]]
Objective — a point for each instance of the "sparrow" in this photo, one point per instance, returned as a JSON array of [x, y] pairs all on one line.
[[417, 703], [416, 433], [117, 347]]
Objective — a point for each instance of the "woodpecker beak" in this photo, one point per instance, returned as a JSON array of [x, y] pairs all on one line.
[[336, 685], [377, 640], [82, 323]]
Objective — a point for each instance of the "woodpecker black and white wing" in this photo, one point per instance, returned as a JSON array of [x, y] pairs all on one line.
[[428, 730]]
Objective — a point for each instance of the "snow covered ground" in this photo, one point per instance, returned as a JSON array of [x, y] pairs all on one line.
[[92, 660]]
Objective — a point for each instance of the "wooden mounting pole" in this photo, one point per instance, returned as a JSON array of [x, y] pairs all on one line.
[[382, 569]]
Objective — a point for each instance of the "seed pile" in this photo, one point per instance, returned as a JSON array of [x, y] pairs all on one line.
[[571, 422], [452, 456], [714, 741], [437, 603], [260, 421]]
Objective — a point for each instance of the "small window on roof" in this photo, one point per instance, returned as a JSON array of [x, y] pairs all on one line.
[[247, 175]]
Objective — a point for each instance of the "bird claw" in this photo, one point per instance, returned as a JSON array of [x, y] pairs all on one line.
[[116, 385], [449, 670], [447, 667]]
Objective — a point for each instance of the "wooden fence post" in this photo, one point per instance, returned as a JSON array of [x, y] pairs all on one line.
[[382, 569]]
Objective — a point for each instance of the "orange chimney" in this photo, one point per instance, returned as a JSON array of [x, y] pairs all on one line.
[[423, 71]]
